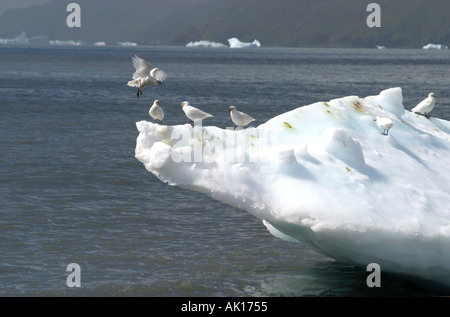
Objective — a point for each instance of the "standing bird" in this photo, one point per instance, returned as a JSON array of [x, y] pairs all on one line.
[[193, 113], [384, 124], [426, 105], [239, 118], [145, 75], [156, 112]]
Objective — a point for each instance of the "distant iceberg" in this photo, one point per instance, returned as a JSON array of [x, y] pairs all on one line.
[[100, 43], [205, 44], [235, 43], [38, 40], [21, 39], [69, 42], [325, 176], [431, 46], [127, 43]]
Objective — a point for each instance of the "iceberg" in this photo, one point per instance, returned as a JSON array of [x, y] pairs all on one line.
[[431, 46], [235, 43], [324, 175], [127, 43], [21, 39], [69, 43], [204, 43]]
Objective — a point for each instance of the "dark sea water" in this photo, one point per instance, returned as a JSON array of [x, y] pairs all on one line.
[[71, 190]]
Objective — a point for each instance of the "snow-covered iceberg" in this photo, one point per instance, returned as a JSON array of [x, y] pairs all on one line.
[[431, 46], [204, 43], [324, 175], [235, 43]]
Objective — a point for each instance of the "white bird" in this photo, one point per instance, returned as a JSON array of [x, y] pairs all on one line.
[[384, 124], [193, 113], [156, 112], [239, 118], [426, 105], [145, 75]]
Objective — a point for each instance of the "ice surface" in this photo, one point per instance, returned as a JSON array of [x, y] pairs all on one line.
[[236, 43], [324, 175]]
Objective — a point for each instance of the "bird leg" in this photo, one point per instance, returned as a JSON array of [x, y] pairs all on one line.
[[137, 95]]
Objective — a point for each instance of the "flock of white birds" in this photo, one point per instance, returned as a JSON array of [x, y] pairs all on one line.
[[145, 76]]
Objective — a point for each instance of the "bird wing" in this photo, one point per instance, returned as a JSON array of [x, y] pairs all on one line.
[[197, 113], [158, 74], [142, 67], [246, 117], [423, 104]]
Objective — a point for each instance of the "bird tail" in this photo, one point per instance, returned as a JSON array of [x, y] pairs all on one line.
[[133, 83]]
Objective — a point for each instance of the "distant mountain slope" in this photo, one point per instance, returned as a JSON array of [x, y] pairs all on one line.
[[404, 23]]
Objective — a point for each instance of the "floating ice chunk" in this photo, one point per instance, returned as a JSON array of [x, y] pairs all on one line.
[[127, 43], [431, 46], [323, 175], [205, 44], [235, 43]]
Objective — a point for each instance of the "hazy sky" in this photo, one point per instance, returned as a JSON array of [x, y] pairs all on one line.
[[12, 4]]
